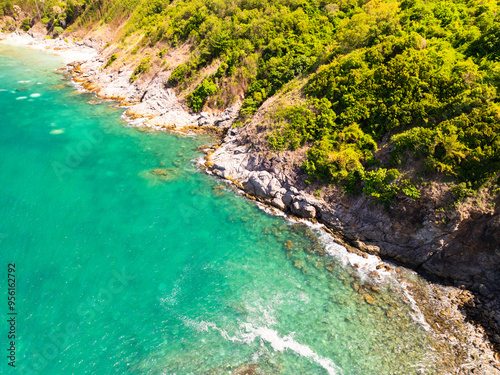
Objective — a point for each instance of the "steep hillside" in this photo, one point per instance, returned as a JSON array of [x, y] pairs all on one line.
[[396, 94]]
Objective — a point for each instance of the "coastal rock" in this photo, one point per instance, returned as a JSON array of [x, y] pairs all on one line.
[[302, 208], [262, 184], [162, 106], [204, 119], [278, 202], [230, 165], [427, 245], [287, 198], [226, 118]]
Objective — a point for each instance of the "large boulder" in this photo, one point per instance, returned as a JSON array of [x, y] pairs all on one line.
[[302, 208], [262, 184]]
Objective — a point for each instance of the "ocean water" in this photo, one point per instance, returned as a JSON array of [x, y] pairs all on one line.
[[122, 270]]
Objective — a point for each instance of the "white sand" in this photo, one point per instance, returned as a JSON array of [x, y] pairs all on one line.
[[70, 51]]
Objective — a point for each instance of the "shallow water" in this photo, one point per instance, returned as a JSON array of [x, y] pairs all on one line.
[[124, 271]]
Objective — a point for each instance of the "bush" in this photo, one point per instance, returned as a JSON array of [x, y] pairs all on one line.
[[57, 31], [6, 8], [110, 61], [26, 24], [199, 96], [143, 67], [181, 73], [461, 191], [381, 184]]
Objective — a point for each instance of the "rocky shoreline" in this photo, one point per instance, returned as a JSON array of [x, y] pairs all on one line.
[[428, 247]]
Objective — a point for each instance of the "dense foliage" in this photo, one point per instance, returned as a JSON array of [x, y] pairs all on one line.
[[388, 82], [420, 78]]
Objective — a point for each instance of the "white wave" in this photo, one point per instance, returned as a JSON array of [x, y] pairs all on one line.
[[201, 161], [23, 81], [287, 342], [364, 266], [248, 333], [35, 95], [270, 210], [172, 298], [56, 131], [21, 97], [135, 122]]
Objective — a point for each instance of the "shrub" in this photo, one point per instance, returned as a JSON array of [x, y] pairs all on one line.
[[381, 184], [199, 96], [26, 24], [57, 31], [461, 191], [6, 8], [180, 73], [110, 61]]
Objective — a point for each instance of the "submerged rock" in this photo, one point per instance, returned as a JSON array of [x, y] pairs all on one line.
[[298, 264], [159, 172], [355, 286], [369, 299], [246, 369]]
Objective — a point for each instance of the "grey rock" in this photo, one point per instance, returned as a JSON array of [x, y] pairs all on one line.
[[262, 184], [278, 202], [483, 290], [288, 198], [303, 209]]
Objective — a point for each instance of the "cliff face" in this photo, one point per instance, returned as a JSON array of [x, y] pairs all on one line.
[[465, 251]]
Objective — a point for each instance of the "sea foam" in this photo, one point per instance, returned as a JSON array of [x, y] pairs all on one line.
[[248, 333]]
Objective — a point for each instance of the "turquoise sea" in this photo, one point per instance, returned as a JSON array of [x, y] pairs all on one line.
[[120, 270]]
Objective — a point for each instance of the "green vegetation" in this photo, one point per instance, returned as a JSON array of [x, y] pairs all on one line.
[[419, 78], [6, 8], [26, 24], [198, 97], [257, 45], [57, 31], [143, 67], [391, 85], [111, 60]]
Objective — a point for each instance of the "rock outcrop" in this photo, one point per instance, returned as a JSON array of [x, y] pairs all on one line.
[[151, 100]]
